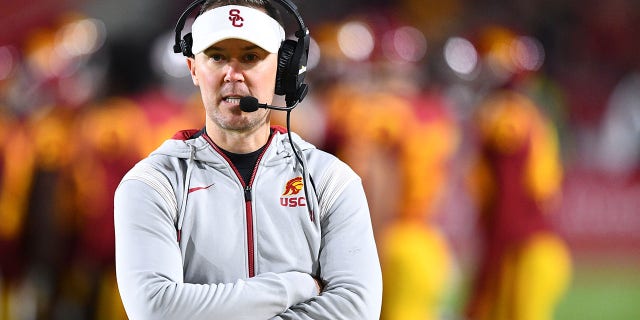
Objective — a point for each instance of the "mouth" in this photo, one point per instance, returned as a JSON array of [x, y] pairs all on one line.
[[234, 100]]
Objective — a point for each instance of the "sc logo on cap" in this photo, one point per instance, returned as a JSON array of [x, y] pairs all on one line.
[[235, 18]]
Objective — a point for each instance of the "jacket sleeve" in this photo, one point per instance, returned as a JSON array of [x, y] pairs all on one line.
[[349, 264], [150, 275]]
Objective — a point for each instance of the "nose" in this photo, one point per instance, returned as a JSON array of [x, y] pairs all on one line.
[[233, 72]]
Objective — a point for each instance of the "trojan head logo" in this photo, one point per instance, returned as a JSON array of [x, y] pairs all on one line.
[[292, 188], [235, 18]]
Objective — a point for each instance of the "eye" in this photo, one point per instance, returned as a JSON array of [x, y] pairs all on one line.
[[216, 57], [250, 57]]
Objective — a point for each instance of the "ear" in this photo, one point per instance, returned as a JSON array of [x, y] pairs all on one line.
[[191, 63]]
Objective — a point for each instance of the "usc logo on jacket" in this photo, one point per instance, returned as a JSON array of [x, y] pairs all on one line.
[[289, 196]]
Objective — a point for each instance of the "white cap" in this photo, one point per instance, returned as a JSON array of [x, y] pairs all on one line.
[[236, 22]]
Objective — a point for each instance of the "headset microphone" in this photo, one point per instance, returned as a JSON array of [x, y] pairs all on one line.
[[251, 104]]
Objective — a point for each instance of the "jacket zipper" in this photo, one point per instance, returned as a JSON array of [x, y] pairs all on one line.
[[247, 199], [249, 217]]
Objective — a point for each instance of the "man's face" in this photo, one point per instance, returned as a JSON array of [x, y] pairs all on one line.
[[228, 71]]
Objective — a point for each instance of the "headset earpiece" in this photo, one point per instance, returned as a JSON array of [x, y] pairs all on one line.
[[185, 45], [292, 67], [285, 55]]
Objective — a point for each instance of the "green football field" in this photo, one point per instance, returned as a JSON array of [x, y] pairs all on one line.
[[602, 288]]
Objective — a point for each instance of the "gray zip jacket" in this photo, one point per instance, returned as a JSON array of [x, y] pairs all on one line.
[[193, 242]]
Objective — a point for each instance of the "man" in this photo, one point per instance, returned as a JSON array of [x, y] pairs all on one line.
[[215, 224], [525, 266]]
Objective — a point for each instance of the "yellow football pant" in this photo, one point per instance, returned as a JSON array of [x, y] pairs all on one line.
[[533, 278], [416, 265]]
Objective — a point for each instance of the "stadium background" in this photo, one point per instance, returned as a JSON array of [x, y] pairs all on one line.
[[88, 87]]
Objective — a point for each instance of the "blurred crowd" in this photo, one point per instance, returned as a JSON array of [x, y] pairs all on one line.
[[475, 126]]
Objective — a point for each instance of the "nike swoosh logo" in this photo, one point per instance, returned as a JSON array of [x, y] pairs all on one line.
[[200, 188]]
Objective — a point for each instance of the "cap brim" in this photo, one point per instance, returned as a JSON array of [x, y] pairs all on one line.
[[236, 22]]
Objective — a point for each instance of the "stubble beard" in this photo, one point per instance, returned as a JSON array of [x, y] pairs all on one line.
[[234, 122]]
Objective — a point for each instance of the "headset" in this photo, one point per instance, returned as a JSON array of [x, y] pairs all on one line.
[[292, 68], [292, 55]]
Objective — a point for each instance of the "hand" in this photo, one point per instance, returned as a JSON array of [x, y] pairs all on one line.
[[319, 284]]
